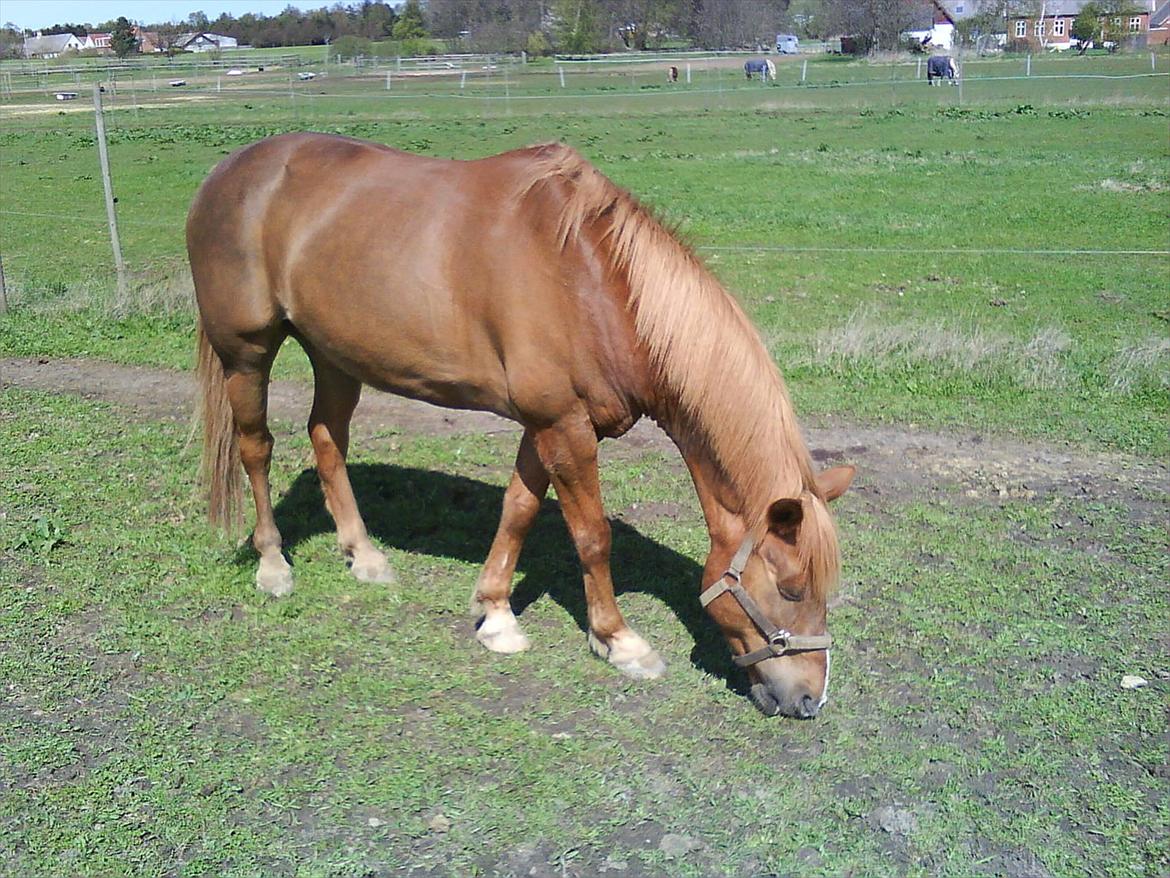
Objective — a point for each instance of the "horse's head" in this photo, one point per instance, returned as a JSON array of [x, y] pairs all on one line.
[[771, 602]]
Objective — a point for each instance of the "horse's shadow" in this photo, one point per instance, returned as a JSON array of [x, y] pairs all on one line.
[[455, 517]]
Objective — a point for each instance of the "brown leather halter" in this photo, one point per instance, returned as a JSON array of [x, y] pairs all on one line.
[[780, 641]]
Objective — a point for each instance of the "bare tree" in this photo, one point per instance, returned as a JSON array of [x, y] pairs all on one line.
[[167, 40], [878, 24], [736, 23]]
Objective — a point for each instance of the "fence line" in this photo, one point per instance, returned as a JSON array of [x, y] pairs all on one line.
[[659, 90], [211, 92], [937, 251], [734, 248]]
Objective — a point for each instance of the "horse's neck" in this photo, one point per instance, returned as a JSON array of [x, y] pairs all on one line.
[[722, 501]]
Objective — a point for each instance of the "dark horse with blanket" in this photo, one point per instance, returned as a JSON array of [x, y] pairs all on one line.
[[941, 67], [762, 66]]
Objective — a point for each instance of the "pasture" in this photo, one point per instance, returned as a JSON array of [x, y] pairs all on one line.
[[968, 301]]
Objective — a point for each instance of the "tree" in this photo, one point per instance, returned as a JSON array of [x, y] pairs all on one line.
[[11, 41], [1086, 27], [122, 39], [576, 26], [410, 24], [719, 24], [168, 35], [875, 23]]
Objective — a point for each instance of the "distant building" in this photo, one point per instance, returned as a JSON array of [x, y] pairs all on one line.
[[99, 43], [934, 27], [148, 41], [1054, 29], [51, 46], [206, 42], [1159, 30]]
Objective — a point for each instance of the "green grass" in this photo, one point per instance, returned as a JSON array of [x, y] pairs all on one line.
[[832, 221], [159, 716], [162, 717]]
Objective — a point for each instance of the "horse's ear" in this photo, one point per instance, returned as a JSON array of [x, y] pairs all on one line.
[[784, 518], [832, 483]]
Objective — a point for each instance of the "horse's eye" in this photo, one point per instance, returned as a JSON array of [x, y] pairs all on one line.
[[791, 593]]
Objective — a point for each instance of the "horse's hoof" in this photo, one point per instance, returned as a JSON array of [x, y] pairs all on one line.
[[500, 632], [630, 654], [372, 567], [274, 576]]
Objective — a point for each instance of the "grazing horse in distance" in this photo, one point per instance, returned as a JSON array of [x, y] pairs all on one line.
[[941, 67], [762, 66], [529, 285]]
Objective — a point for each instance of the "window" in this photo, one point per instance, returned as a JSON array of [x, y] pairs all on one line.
[[1135, 23], [1021, 28], [959, 9], [1039, 27], [1058, 27]]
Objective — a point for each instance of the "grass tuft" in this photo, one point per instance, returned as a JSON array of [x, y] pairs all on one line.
[[866, 341], [1145, 364]]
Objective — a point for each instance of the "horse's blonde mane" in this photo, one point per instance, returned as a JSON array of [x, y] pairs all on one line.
[[706, 352]]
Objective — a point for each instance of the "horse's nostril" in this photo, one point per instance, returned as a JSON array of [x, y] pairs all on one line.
[[808, 707]]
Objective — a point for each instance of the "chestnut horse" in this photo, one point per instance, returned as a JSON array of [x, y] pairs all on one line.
[[529, 285]]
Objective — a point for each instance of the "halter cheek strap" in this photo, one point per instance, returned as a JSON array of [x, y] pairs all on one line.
[[780, 641]]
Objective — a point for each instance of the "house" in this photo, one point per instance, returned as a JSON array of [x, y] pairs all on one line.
[[933, 28], [205, 42], [1053, 30], [51, 46], [1158, 33], [98, 42], [148, 41]]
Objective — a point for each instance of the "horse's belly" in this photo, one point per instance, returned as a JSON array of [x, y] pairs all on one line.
[[417, 366]]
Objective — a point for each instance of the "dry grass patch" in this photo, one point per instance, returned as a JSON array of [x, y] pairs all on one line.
[[866, 340], [1145, 364]]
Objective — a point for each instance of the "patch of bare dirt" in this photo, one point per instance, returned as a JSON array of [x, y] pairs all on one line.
[[894, 463]]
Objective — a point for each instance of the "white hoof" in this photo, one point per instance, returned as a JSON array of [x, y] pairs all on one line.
[[274, 576], [500, 632], [630, 654], [372, 566]]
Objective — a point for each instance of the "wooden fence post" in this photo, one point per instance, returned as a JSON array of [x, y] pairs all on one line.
[[3, 289], [111, 215]]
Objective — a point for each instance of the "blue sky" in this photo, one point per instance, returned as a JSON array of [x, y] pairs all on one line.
[[45, 13]]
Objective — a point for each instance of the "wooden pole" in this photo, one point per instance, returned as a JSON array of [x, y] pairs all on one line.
[[3, 289], [111, 215]]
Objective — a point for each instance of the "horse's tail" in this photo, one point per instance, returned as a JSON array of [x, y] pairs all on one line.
[[219, 473]]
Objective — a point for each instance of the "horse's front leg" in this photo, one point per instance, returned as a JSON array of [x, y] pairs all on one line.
[[568, 451], [498, 629]]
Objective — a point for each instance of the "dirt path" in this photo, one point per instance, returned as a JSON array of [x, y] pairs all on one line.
[[894, 462]]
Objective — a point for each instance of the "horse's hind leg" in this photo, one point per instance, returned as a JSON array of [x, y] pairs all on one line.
[[498, 630], [247, 389], [335, 396]]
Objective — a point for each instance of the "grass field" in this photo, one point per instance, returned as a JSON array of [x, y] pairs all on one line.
[[969, 301]]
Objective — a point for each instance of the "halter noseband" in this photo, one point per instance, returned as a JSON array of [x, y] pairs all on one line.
[[780, 641]]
